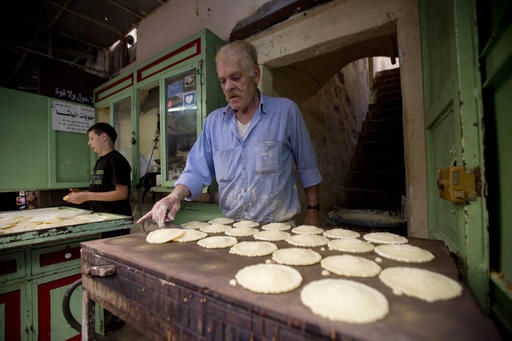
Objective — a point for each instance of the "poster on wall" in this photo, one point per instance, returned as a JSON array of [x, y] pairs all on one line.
[[71, 117]]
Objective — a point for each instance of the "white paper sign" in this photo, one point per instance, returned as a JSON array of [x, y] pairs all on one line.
[[71, 117]]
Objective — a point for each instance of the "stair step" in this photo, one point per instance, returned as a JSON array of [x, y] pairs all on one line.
[[381, 199], [379, 113], [388, 95], [391, 133], [392, 161], [375, 180], [382, 123], [379, 146]]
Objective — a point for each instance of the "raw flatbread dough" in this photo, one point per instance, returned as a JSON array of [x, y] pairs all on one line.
[[271, 235], [269, 278], [245, 223], [195, 224], [296, 256], [241, 231], [423, 284], [344, 300], [307, 229], [353, 266], [164, 235], [385, 238], [191, 235], [307, 240], [340, 233], [217, 242], [276, 226], [350, 245], [215, 228], [404, 253], [253, 249], [222, 221]]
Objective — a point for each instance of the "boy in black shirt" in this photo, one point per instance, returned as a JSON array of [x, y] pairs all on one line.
[[109, 186]]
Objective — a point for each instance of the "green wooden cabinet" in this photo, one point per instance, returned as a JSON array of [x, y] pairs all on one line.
[[36, 268], [35, 155], [158, 107]]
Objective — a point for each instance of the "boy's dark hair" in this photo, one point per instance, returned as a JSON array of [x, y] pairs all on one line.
[[102, 127]]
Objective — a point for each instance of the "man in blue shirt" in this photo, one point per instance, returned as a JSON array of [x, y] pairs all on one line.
[[250, 148]]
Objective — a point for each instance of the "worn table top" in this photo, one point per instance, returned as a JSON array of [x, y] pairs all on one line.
[[210, 270], [37, 226]]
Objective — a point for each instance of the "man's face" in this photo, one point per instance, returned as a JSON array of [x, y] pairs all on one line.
[[239, 87], [95, 141]]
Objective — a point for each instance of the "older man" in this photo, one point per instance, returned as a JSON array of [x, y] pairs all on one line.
[[249, 147]]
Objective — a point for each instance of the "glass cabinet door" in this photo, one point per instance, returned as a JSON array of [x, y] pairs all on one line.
[[180, 121], [149, 129]]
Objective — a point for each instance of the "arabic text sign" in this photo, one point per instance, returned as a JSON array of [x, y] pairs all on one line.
[[71, 117]]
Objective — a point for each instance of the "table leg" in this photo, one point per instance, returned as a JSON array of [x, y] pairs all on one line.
[[88, 317]]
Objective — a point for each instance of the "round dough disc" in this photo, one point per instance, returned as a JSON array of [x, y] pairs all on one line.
[[276, 226], [348, 265], [344, 300], [296, 256], [217, 242], [269, 278], [340, 233], [423, 284], [307, 240], [191, 236], [385, 238], [253, 249], [164, 235], [194, 224], [404, 253], [241, 231], [222, 221], [350, 245], [271, 235], [215, 228], [245, 223], [307, 229]]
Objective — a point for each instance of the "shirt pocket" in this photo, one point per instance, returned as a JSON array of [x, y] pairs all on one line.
[[268, 154], [226, 162]]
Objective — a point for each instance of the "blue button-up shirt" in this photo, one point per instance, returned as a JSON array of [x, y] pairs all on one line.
[[255, 176]]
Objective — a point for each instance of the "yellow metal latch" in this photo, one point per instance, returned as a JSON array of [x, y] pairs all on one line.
[[458, 184]]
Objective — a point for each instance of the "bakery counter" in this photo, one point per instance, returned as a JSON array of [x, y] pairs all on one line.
[[182, 291], [39, 258]]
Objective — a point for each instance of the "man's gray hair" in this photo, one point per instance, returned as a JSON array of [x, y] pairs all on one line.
[[240, 48]]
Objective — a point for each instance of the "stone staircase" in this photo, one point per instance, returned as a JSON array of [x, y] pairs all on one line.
[[376, 178]]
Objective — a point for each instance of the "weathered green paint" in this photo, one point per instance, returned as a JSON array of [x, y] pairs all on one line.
[[453, 116]]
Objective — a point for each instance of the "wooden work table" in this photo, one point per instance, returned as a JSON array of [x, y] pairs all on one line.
[[177, 291]]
